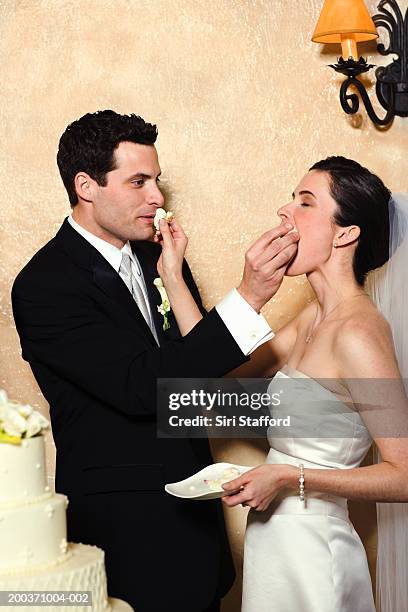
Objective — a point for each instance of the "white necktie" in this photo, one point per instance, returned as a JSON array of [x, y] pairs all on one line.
[[125, 272]]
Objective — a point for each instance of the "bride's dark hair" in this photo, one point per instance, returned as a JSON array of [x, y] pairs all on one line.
[[362, 199]]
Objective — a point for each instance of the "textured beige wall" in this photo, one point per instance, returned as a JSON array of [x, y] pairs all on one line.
[[244, 103]]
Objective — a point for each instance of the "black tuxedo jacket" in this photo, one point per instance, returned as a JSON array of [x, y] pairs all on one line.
[[96, 362]]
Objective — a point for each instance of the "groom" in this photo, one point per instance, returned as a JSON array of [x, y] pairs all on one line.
[[86, 311]]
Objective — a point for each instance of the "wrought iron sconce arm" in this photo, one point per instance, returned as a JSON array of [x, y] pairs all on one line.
[[392, 81], [350, 102]]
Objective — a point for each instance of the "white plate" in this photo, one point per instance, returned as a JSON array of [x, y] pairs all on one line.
[[206, 484]]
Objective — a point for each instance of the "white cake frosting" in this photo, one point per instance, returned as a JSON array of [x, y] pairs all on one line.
[[84, 570], [33, 526], [33, 535], [22, 472], [34, 554]]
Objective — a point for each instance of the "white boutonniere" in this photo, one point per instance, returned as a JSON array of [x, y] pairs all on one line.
[[164, 307]]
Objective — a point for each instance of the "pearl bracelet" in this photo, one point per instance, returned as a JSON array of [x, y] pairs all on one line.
[[302, 483]]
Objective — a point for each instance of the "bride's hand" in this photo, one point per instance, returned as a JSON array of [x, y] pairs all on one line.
[[174, 243], [257, 487]]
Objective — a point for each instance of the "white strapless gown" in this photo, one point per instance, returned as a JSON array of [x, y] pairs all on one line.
[[308, 557]]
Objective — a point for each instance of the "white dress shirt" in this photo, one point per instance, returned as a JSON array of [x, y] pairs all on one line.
[[248, 328]]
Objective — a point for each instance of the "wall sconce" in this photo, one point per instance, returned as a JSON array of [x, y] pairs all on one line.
[[348, 22]]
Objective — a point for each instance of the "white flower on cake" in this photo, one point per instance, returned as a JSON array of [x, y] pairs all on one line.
[[25, 410], [35, 423], [3, 410], [13, 423], [19, 421]]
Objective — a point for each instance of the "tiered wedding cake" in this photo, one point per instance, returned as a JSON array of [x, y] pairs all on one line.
[[34, 553]]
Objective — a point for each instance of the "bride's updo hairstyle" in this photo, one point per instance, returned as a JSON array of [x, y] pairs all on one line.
[[362, 199]]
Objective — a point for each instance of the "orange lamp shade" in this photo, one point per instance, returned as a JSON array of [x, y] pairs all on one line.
[[346, 22]]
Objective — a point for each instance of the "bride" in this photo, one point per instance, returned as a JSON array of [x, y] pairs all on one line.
[[301, 552]]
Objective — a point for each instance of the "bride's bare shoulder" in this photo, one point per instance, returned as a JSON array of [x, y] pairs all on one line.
[[365, 323], [364, 344]]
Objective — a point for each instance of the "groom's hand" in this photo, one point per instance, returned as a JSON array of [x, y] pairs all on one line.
[[265, 265]]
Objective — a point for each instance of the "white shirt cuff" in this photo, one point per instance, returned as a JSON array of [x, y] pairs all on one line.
[[248, 328]]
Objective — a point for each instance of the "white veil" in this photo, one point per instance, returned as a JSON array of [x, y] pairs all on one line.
[[388, 287]]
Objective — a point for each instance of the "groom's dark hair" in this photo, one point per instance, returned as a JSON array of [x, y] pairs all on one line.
[[88, 145], [362, 199]]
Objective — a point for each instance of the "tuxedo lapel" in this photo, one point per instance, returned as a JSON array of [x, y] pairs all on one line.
[[112, 285], [103, 275]]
